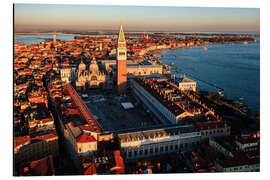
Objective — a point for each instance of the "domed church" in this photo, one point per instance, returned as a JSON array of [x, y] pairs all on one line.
[[93, 77]]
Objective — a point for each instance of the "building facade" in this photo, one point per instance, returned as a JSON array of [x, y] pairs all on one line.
[[93, 77], [67, 74], [134, 69], [187, 84], [144, 70], [236, 159], [153, 142], [27, 149]]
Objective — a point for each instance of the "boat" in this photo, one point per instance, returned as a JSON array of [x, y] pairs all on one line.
[[245, 42], [172, 64]]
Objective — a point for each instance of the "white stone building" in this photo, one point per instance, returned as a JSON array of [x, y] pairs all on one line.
[[158, 141], [187, 84], [93, 77]]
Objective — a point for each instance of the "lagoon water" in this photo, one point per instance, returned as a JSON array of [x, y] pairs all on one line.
[[233, 67], [38, 38]]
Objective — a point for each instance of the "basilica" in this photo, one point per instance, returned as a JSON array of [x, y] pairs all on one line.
[[90, 77]]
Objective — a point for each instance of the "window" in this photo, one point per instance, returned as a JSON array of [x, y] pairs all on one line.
[[161, 149], [146, 151], [93, 78], [156, 149], [181, 145], [122, 53]]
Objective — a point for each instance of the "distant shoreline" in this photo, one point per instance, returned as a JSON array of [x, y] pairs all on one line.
[[251, 34]]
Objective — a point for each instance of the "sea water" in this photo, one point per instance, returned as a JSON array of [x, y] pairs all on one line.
[[233, 67]]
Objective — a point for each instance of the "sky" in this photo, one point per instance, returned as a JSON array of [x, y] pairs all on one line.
[[33, 17]]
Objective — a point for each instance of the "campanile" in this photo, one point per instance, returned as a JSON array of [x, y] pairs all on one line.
[[121, 62], [54, 38]]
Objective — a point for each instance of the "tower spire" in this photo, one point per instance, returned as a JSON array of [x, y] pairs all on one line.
[[121, 34]]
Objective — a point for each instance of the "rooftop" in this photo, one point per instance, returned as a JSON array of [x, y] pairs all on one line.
[[247, 140], [184, 79], [155, 131], [85, 115], [41, 167], [85, 138], [21, 140]]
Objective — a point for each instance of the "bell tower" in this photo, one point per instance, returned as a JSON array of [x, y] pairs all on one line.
[[54, 38], [121, 62]]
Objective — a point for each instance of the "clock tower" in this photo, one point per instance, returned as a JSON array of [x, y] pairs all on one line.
[[121, 62]]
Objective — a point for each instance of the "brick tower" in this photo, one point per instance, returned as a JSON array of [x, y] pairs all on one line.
[[54, 38], [121, 62]]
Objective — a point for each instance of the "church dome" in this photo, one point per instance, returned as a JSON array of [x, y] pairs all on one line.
[[82, 66], [93, 66]]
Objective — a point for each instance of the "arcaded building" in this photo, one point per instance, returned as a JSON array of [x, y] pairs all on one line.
[[158, 141], [144, 68]]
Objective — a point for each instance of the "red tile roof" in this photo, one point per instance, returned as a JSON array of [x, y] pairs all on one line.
[[21, 140], [50, 136], [84, 138], [42, 167]]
